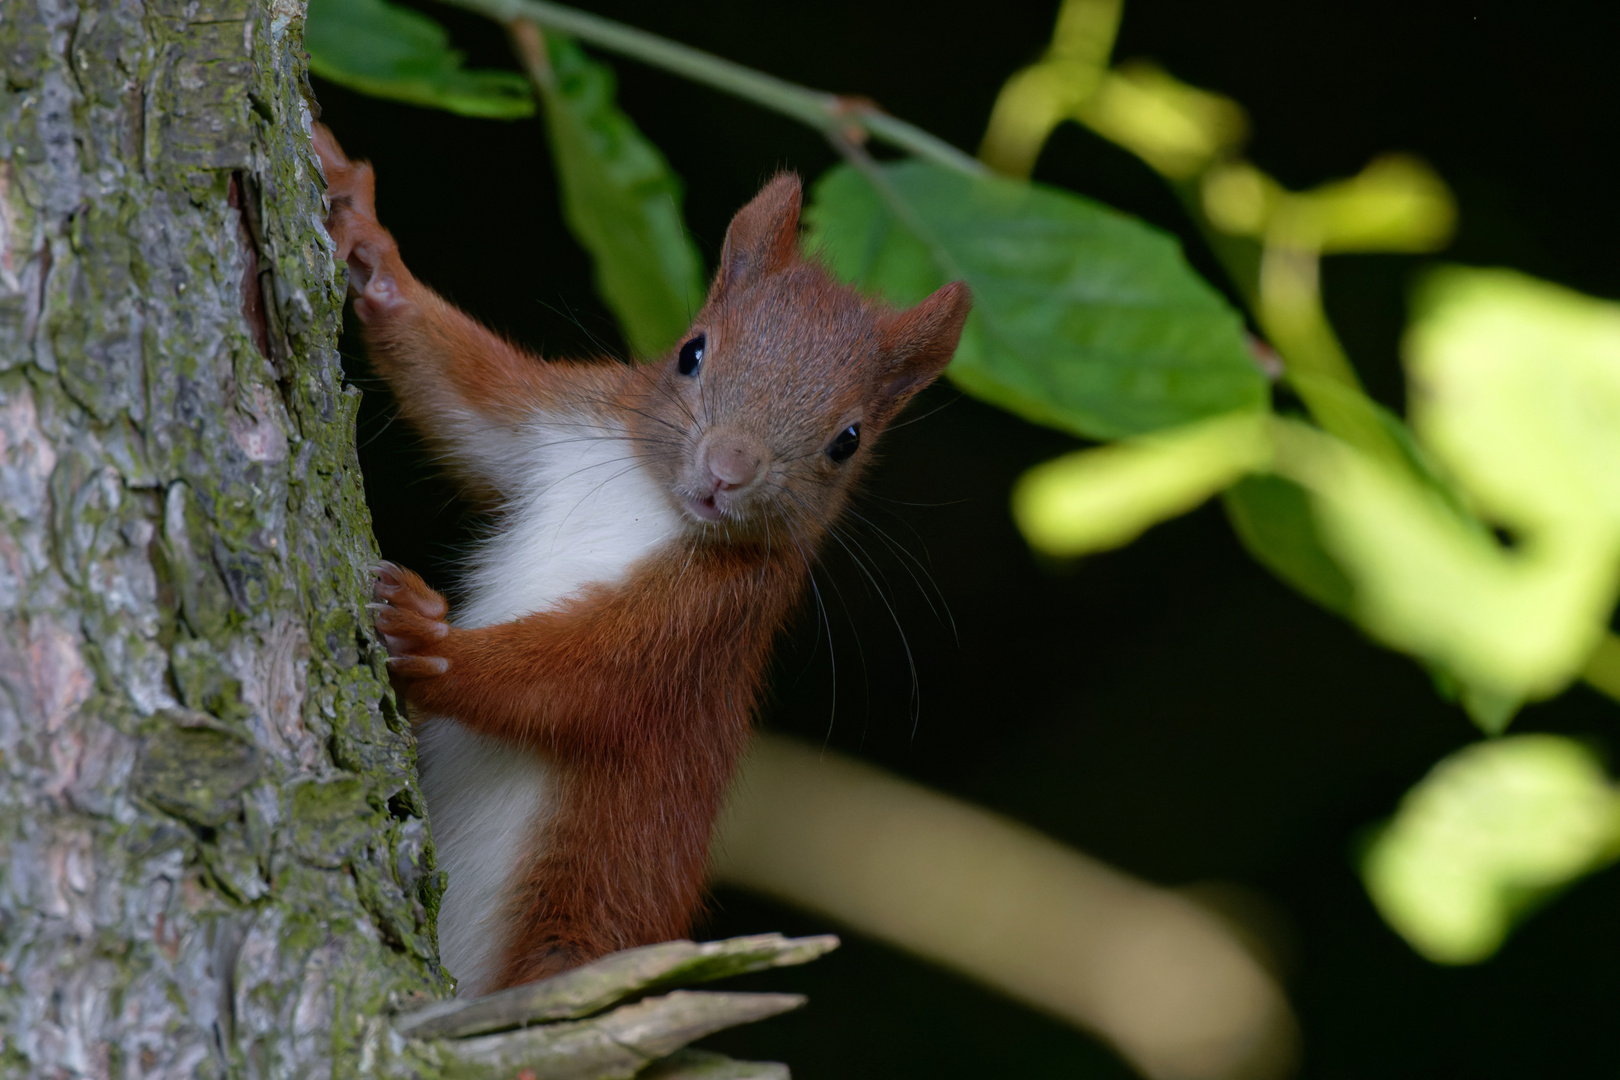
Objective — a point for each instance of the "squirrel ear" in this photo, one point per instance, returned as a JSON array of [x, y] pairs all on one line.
[[921, 341], [763, 237]]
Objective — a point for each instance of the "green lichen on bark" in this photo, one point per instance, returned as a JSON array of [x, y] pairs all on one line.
[[213, 859]]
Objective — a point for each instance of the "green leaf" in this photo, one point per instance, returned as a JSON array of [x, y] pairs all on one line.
[[1092, 500], [1273, 518], [1489, 833], [391, 52], [1084, 319], [622, 202]]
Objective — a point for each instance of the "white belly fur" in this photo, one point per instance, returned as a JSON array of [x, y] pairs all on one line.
[[587, 513]]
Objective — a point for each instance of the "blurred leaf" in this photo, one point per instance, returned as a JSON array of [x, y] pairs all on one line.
[[1092, 500], [622, 202], [1272, 517], [1084, 319], [1176, 128], [1491, 710], [391, 52], [1036, 99], [1274, 520], [1516, 391], [1240, 199], [1509, 623], [1602, 670], [1490, 831], [1397, 203], [1515, 387]]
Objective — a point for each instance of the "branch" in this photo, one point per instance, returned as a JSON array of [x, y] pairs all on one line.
[[828, 113], [614, 1046], [592, 988], [573, 1038]]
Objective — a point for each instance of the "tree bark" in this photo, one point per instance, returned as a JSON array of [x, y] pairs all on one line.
[[213, 855]]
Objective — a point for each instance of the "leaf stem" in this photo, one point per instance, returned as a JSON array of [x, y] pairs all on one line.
[[826, 112]]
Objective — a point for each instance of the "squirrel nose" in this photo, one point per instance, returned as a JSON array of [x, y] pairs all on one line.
[[733, 461]]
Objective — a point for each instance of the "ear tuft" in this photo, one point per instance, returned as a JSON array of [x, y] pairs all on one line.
[[764, 236], [921, 341]]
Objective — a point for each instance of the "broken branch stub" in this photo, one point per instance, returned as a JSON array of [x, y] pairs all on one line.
[[614, 978]]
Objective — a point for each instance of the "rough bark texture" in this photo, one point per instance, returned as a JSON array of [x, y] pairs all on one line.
[[213, 858]]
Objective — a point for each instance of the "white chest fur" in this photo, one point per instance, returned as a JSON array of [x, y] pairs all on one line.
[[584, 512]]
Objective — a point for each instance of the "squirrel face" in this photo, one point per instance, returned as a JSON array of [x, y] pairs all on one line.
[[773, 391], [763, 416]]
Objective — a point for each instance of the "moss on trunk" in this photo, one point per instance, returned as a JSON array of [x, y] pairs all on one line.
[[213, 856]]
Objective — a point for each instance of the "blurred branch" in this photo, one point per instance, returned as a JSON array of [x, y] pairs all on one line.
[[1040, 97], [1157, 976], [828, 113]]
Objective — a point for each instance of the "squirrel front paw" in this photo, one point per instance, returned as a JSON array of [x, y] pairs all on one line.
[[350, 189], [376, 276], [410, 618]]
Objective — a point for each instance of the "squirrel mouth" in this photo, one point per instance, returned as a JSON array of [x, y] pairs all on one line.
[[704, 509]]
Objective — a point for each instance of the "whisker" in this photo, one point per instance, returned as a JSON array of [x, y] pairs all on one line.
[[937, 408], [395, 415], [860, 646], [905, 642], [567, 313], [634, 464], [826, 623], [904, 554]]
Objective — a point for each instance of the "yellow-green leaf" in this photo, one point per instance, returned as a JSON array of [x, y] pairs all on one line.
[[1176, 128], [1514, 623], [1397, 203], [1516, 391], [1489, 832], [1092, 500]]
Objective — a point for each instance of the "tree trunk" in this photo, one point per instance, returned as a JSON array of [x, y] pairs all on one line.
[[213, 857]]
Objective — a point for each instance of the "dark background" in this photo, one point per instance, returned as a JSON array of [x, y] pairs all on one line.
[[1169, 707]]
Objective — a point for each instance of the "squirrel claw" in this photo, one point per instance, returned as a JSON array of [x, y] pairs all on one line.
[[410, 618], [399, 588], [417, 667], [351, 221]]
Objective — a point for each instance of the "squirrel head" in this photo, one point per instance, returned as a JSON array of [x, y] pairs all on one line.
[[767, 410]]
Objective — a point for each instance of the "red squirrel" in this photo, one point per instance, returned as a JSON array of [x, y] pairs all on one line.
[[579, 719]]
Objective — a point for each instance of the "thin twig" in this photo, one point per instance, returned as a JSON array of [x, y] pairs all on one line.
[[826, 112]]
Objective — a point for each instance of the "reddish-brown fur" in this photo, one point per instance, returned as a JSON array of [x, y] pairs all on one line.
[[639, 692]]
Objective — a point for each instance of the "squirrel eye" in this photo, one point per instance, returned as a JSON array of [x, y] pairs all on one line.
[[845, 445], [691, 356]]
